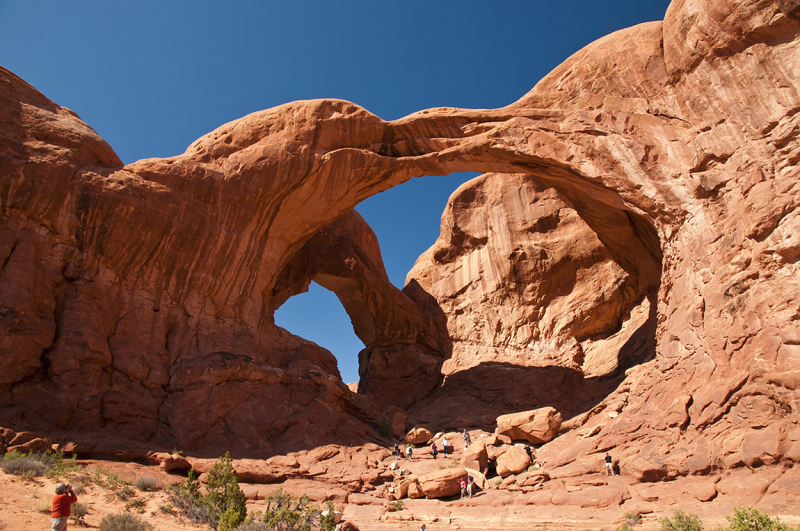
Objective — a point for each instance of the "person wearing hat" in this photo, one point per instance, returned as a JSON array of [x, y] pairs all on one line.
[[61, 502]]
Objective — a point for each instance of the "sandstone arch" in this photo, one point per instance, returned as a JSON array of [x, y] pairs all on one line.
[[683, 134]]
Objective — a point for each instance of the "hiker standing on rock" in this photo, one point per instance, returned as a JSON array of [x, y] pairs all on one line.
[[396, 451], [434, 450], [408, 451], [463, 488], [445, 445], [609, 465], [467, 441], [63, 499], [470, 485]]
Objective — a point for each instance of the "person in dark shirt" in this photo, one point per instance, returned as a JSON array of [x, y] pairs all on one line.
[[609, 465], [62, 501]]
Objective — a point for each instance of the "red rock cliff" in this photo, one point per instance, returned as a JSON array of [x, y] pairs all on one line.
[[133, 295]]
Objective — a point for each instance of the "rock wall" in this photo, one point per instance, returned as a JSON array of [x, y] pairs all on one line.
[[134, 295]]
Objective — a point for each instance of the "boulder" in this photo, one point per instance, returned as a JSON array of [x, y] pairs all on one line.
[[477, 477], [536, 426], [475, 457], [36, 445], [415, 491], [513, 461], [403, 486], [169, 462], [419, 435], [442, 483]]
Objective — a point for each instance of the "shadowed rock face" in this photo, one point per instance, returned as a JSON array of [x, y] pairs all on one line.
[[138, 300]]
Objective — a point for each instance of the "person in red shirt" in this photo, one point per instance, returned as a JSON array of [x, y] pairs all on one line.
[[61, 502]]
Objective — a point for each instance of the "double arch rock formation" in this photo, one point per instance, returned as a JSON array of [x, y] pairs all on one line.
[[137, 300]]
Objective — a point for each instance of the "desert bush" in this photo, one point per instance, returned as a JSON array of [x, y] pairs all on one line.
[[51, 464], [146, 483], [123, 522], [327, 519], [223, 494], [59, 467], [136, 505], [187, 499], [166, 508], [125, 493], [625, 527], [287, 513], [632, 518], [681, 521], [78, 512], [28, 466], [398, 505], [750, 519]]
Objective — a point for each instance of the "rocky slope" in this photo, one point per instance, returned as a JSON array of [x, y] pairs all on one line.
[[137, 301]]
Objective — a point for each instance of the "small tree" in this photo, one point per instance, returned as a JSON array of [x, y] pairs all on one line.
[[223, 495]]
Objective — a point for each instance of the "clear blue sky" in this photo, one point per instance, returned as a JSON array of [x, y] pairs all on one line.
[[152, 76]]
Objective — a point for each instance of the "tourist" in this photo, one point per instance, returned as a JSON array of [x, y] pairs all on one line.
[[463, 488], [529, 451], [408, 451], [434, 450], [467, 441], [61, 502], [470, 485], [396, 451], [445, 446], [609, 465], [422, 528]]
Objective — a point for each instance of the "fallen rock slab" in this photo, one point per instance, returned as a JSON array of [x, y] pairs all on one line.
[[537, 426]]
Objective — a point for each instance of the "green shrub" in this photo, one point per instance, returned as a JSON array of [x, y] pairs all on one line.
[[58, 467], [108, 479], [327, 520], [146, 483], [398, 505], [750, 519], [223, 506], [681, 521], [123, 522], [288, 513], [625, 527], [229, 520], [223, 494]]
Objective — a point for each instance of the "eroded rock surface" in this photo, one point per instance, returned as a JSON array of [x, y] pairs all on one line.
[[138, 300]]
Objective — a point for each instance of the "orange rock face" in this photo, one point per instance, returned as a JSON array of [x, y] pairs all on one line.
[[630, 259]]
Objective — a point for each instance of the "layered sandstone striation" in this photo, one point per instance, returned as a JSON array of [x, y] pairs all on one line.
[[137, 300]]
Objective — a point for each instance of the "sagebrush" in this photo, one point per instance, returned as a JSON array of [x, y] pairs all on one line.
[[123, 522], [146, 483], [681, 521]]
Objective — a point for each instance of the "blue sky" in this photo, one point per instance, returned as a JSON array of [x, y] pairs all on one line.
[[152, 76]]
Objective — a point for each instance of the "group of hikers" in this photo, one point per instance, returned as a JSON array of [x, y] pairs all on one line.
[[409, 454]]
